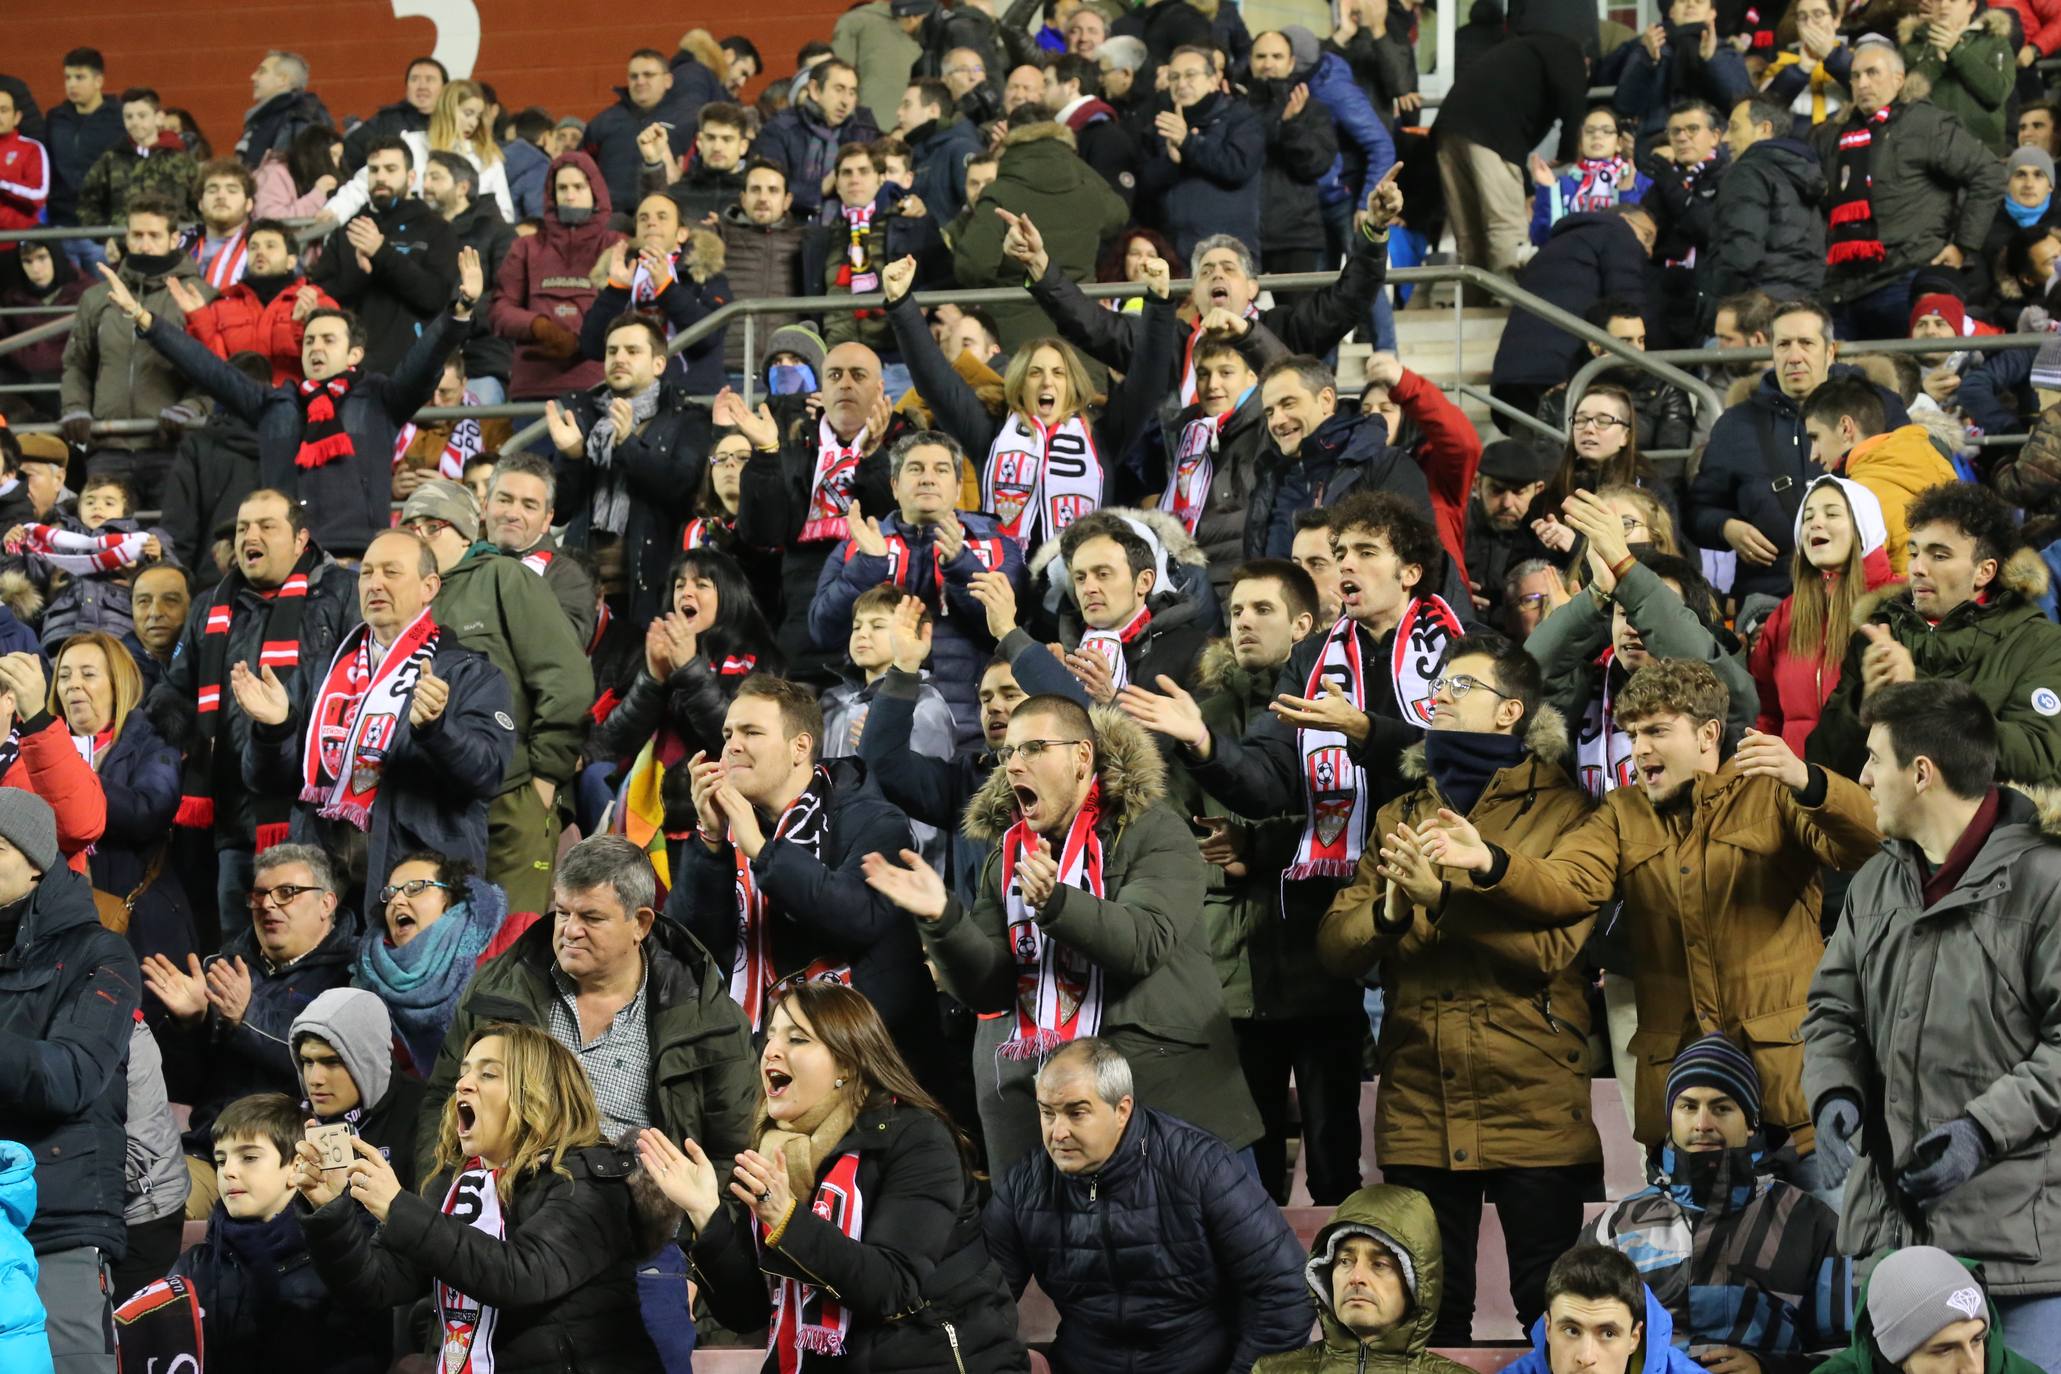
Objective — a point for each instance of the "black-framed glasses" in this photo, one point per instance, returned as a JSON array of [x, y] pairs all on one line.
[[414, 887], [1458, 687], [278, 895], [1030, 749], [1597, 422]]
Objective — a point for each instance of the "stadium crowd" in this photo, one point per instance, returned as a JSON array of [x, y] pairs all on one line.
[[460, 910]]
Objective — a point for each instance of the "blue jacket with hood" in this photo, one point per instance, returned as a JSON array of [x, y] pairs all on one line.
[[1660, 1354], [23, 1347]]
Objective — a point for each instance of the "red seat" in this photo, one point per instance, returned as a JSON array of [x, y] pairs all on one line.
[[730, 1361], [1037, 1320], [1039, 1364]]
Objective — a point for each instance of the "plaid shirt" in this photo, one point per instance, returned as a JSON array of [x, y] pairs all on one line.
[[617, 1061]]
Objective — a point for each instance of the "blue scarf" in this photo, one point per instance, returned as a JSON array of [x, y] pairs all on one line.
[[1462, 762], [420, 982], [2025, 216]]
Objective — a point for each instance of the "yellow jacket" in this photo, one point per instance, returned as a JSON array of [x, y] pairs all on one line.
[[1897, 466]]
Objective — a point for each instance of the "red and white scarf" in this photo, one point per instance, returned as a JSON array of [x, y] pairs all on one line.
[[861, 274], [1109, 645], [83, 555], [645, 289], [701, 530], [1602, 752], [1334, 786], [808, 1320], [753, 975], [358, 712], [830, 488], [1058, 988], [1037, 481], [1187, 486], [461, 446], [538, 560], [987, 552], [1188, 392], [1427, 626], [465, 1326], [227, 267]]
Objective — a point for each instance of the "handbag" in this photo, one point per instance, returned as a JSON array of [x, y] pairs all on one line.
[[114, 912]]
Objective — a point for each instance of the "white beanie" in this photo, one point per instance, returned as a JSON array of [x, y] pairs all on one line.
[[1868, 525]]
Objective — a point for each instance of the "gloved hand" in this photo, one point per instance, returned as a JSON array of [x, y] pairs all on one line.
[[77, 428], [2034, 319], [553, 338], [1944, 1158], [173, 419], [1838, 1118]]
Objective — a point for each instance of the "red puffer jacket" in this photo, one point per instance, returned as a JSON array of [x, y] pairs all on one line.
[[1793, 689], [238, 322]]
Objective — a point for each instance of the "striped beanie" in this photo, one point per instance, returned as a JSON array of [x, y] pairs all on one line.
[[1715, 1062]]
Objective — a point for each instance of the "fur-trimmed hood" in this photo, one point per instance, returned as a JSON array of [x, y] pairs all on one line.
[[1172, 536], [1546, 738], [1128, 762], [2024, 574], [1993, 21], [1039, 132], [18, 594], [701, 45], [702, 256]]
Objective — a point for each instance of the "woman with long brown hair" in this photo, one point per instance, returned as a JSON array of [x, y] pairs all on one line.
[[527, 1234], [1840, 557], [854, 1227], [1602, 450]]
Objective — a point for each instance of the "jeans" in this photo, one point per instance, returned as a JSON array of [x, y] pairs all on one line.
[[668, 1316], [2032, 1328], [488, 391], [895, 379], [1884, 313], [86, 254]]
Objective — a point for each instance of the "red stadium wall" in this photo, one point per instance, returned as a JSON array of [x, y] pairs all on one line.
[[566, 57]]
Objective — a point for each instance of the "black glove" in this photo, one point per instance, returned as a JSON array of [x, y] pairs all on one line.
[[77, 428]]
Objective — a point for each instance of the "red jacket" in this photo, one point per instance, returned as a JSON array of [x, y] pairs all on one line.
[[24, 182], [50, 767], [1449, 455], [2041, 21], [234, 322], [1793, 690]]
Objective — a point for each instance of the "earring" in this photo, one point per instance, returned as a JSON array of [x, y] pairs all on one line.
[[839, 1083]]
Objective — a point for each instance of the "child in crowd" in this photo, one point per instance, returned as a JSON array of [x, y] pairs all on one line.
[[84, 562], [877, 623]]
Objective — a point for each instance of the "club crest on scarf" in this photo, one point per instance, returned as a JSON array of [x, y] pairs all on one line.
[[1058, 988], [830, 489], [1037, 480], [1603, 753], [1332, 789], [465, 1325], [357, 715]]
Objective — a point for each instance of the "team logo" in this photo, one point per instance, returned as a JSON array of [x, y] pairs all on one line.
[[1067, 509], [1966, 1300], [2046, 702], [1331, 792]]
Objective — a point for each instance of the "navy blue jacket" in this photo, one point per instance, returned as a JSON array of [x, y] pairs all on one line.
[[1364, 144], [1170, 1258], [612, 138], [263, 1305], [1647, 89], [1586, 257], [140, 776], [799, 143], [75, 142], [1215, 187], [527, 164], [696, 369], [1348, 452], [939, 169], [69, 989], [663, 464], [1996, 392]]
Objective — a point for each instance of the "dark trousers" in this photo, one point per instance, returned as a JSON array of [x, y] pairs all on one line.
[[1541, 1212], [1884, 313], [1525, 397], [1323, 1052], [153, 1245]]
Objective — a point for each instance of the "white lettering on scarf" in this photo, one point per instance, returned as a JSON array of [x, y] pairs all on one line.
[[465, 1326], [1187, 486], [1037, 480], [830, 488], [1059, 989]]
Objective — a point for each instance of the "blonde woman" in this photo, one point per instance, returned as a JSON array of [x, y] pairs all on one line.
[[526, 1236], [456, 125]]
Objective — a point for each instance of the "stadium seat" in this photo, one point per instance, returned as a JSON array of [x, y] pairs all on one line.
[[730, 1361]]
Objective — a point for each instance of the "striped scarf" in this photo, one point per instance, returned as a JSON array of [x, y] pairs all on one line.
[[323, 436], [227, 266], [84, 554], [1855, 238]]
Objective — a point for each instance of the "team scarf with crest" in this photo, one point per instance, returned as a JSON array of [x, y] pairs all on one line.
[[464, 443], [323, 436], [830, 487], [1058, 988], [753, 978], [1039, 480], [1602, 752], [1428, 625], [900, 558], [807, 1319], [703, 529], [1109, 646], [1187, 486], [83, 555], [1189, 390], [359, 709], [465, 1326]]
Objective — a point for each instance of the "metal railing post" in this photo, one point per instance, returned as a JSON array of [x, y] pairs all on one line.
[[751, 357]]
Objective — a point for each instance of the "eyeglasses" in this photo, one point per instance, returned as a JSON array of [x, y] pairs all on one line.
[[1596, 422], [1030, 749], [1631, 522], [277, 896], [1530, 601], [1458, 687], [415, 887], [966, 71]]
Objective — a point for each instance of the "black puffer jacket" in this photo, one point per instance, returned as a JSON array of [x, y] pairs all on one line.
[[69, 989], [1768, 230], [563, 1280], [216, 466], [1171, 1258], [1299, 152], [1586, 257], [924, 1296], [663, 464]]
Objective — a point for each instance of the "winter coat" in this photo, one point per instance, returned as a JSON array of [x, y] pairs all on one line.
[[563, 1281], [79, 602], [166, 168], [704, 1070], [1731, 950], [1662, 1355], [612, 137], [1215, 187], [397, 120], [1364, 143], [939, 151], [662, 465], [527, 165], [1348, 452], [1300, 153], [1996, 397], [211, 1064], [1897, 465], [960, 644], [413, 276], [1499, 1079], [1242, 451], [1768, 228], [1792, 690], [265, 1305], [1073, 206], [916, 1284], [868, 37], [1755, 468], [1508, 99], [1664, 413], [50, 766], [155, 1178], [108, 371], [1170, 1257], [69, 990], [1586, 258], [487, 232], [1736, 1256], [331, 602], [1864, 1356], [1979, 957], [819, 906], [1647, 90], [485, 596], [42, 361], [1974, 81], [699, 289], [760, 261], [551, 276], [237, 321], [271, 127], [799, 143], [1934, 184], [2005, 648], [349, 500], [1405, 1216], [139, 775], [76, 142], [438, 776], [214, 468], [1161, 1005], [891, 236], [23, 1345]]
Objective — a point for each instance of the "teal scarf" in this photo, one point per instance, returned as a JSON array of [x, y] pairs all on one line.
[[421, 981]]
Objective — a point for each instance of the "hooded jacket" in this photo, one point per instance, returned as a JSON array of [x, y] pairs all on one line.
[[1768, 228], [1500, 1078], [1662, 1356], [1863, 1356], [69, 990], [1215, 187], [108, 371], [1162, 1005], [123, 170], [1399, 1219], [553, 276], [2004, 647], [1348, 452], [23, 1345], [704, 1069], [939, 150], [1587, 257], [353, 1022], [1365, 146], [1897, 465], [1922, 1014], [1973, 81], [1169, 1258]]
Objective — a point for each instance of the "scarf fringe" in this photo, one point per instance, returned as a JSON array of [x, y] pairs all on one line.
[[195, 813], [1030, 1048], [356, 813], [1853, 211], [1320, 868], [1855, 250], [326, 450]]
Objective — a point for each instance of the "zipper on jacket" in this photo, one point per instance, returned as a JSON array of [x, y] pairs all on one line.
[[952, 1335]]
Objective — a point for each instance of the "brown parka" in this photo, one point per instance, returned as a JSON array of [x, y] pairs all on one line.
[[1721, 895], [1484, 1051]]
